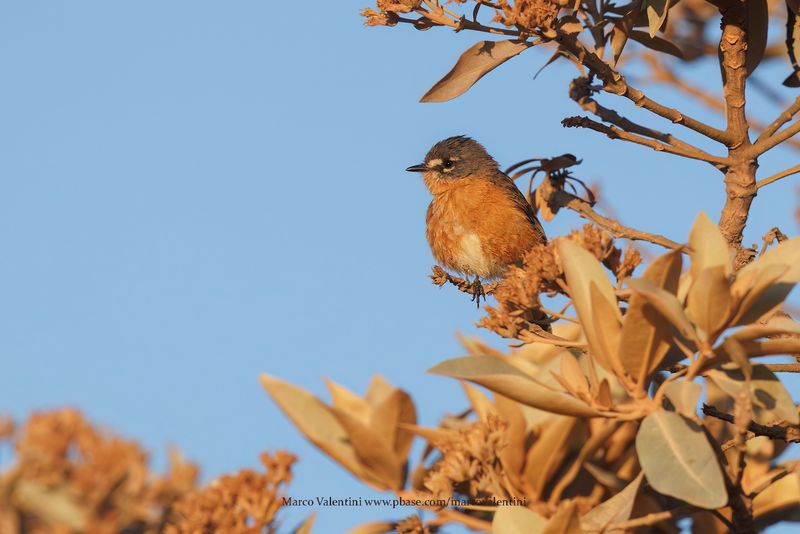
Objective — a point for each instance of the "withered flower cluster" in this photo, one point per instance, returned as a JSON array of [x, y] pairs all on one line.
[[69, 476], [469, 463], [519, 310], [528, 13]]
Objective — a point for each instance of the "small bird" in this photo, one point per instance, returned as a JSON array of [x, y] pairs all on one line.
[[478, 222]]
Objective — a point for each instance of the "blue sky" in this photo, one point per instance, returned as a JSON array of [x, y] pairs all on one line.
[[193, 193]]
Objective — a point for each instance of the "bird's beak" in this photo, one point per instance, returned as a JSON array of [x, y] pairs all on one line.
[[417, 168]]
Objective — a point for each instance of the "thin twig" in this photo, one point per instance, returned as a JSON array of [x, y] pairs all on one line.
[[617, 133], [777, 176], [562, 198], [580, 92], [615, 83], [789, 434], [662, 73], [768, 143], [782, 119], [783, 367]]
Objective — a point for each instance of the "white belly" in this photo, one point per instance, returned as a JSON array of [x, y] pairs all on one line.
[[472, 258]]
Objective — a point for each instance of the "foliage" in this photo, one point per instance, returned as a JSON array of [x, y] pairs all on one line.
[[643, 400], [68, 476]]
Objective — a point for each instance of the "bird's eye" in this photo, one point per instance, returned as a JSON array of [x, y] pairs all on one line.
[[448, 165]]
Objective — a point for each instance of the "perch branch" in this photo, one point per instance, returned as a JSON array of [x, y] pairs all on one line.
[[441, 277], [583, 208]]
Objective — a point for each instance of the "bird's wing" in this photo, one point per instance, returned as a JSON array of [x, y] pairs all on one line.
[[508, 185]]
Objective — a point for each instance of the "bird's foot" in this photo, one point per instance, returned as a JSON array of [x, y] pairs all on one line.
[[477, 291]]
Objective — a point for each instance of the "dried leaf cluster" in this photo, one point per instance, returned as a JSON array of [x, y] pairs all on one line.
[[595, 423], [643, 399], [70, 477]]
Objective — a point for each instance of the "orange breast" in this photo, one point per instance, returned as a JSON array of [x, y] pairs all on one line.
[[475, 227]]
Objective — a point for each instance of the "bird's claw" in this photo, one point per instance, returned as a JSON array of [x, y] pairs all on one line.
[[477, 291]]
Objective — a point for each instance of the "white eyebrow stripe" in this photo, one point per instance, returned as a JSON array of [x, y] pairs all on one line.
[[434, 162]]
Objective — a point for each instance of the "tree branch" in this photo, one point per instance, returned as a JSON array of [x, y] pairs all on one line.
[[580, 92], [740, 176], [564, 199], [782, 119], [789, 434], [618, 133], [763, 145], [615, 83], [775, 177]]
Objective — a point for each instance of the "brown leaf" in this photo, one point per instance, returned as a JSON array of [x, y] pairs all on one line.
[[765, 293], [569, 24], [622, 30], [793, 44], [684, 395], [564, 521], [776, 326], [709, 248], [481, 404], [498, 376], [607, 328], [757, 29], [315, 420], [678, 460], [645, 335], [783, 494], [573, 374], [606, 478], [432, 435], [378, 390], [738, 356], [708, 305], [476, 62], [666, 303], [582, 270], [657, 14], [397, 408], [513, 454], [555, 441], [772, 403], [785, 253], [615, 510], [659, 44], [516, 520], [347, 401], [375, 452], [603, 398]]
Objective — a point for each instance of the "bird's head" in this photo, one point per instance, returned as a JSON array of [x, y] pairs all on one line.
[[455, 158]]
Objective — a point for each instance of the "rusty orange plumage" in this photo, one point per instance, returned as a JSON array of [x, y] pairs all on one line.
[[478, 222]]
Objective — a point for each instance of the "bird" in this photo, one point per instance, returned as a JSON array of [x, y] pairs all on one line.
[[478, 222]]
